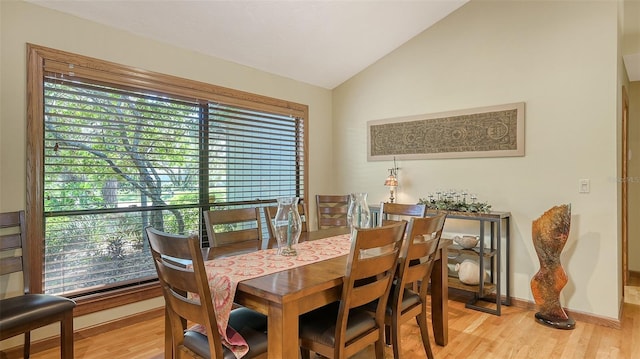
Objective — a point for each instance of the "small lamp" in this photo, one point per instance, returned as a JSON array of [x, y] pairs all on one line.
[[392, 180]]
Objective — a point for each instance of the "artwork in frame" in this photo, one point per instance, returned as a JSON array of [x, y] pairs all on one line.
[[494, 131]]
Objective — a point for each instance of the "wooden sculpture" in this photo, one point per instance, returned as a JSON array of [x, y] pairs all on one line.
[[550, 233]]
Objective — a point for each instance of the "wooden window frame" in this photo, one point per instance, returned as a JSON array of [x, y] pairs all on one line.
[[37, 58]]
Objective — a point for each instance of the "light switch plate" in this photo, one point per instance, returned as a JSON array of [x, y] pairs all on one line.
[[584, 186]]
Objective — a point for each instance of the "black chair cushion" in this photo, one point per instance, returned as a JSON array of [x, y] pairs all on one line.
[[251, 325], [320, 324], [23, 309], [409, 299]]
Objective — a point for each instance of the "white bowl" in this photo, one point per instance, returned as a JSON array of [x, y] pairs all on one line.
[[466, 242]]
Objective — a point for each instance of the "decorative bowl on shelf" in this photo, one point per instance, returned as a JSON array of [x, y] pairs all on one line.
[[466, 242], [469, 272]]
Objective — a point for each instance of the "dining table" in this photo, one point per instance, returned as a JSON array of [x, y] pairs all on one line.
[[284, 295]]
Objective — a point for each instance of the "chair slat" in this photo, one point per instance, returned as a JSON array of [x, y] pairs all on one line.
[[393, 212], [369, 292], [11, 219], [332, 210], [10, 241], [10, 265]]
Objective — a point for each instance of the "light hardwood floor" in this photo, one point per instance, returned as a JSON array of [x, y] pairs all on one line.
[[472, 334]]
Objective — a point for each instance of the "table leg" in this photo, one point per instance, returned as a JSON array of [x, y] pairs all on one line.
[[282, 331], [440, 299]]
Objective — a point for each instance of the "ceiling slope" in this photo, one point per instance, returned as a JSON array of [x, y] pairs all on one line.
[[322, 43]]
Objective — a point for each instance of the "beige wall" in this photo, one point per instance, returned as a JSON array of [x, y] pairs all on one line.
[[23, 23], [634, 176], [559, 58]]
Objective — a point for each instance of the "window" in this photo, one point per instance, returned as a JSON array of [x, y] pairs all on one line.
[[114, 149]]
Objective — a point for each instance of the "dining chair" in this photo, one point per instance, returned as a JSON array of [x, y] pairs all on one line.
[[172, 255], [332, 210], [416, 262], [23, 313], [270, 214], [370, 270], [390, 212], [234, 230]]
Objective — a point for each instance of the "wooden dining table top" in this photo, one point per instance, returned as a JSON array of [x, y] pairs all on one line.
[[284, 295], [296, 282]]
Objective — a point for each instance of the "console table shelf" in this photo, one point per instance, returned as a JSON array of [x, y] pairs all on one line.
[[458, 250], [488, 251], [488, 287]]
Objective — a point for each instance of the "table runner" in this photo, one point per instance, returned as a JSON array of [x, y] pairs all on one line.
[[224, 274]]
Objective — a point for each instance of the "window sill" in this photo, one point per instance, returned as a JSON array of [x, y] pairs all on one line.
[[101, 301]]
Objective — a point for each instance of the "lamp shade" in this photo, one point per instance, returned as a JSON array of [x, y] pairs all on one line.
[[391, 181]]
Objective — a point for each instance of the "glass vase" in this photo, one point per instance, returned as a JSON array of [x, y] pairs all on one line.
[[358, 215], [287, 225]]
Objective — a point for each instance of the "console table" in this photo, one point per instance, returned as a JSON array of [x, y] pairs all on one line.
[[497, 224]]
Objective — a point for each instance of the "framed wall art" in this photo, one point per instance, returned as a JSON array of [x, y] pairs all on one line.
[[494, 131]]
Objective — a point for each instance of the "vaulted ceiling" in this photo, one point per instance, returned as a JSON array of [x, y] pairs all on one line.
[[320, 42]]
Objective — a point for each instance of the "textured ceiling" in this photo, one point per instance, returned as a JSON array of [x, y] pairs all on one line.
[[323, 43]]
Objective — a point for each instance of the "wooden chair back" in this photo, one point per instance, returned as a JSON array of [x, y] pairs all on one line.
[[23, 313], [332, 210], [391, 212], [270, 214], [180, 269], [419, 249], [370, 271], [417, 258], [13, 243], [235, 230]]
